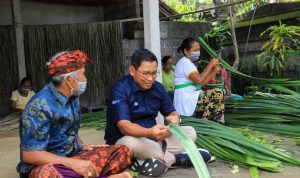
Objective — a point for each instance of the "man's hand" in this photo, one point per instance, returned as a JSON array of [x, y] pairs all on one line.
[[173, 119], [90, 147], [83, 167], [160, 132]]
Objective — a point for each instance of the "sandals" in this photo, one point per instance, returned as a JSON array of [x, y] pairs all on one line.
[[183, 159], [149, 167]]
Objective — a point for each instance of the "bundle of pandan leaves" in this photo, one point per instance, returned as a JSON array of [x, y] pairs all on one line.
[[230, 145], [94, 120], [265, 112]]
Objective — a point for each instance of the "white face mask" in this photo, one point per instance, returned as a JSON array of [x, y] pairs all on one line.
[[25, 89], [81, 88], [195, 55]]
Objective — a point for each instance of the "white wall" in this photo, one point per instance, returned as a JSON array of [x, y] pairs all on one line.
[[38, 13]]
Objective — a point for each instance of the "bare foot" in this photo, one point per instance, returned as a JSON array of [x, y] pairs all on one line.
[[222, 120], [124, 174]]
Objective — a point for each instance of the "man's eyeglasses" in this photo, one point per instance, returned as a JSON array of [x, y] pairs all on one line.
[[149, 74]]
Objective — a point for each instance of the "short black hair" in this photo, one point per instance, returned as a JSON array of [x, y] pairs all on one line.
[[26, 79], [186, 44], [165, 58], [140, 56]]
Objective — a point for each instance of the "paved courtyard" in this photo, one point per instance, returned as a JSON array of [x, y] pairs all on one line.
[[9, 154]]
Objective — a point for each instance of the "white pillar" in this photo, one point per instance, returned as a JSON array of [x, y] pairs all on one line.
[[152, 37], [17, 22], [151, 30]]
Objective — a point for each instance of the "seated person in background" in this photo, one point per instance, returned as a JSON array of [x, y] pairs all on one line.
[[133, 106], [221, 80], [19, 99], [21, 96], [189, 98], [168, 75], [50, 144]]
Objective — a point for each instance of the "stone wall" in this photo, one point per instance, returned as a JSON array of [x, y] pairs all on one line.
[[171, 34]]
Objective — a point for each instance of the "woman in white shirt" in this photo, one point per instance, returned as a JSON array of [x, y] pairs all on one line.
[[189, 98], [21, 96], [19, 99]]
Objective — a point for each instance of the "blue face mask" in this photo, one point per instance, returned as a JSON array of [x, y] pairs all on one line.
[[195, 55], [80, 90]]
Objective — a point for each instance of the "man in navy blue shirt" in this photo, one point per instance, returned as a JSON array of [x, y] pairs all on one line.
[[134, 104]]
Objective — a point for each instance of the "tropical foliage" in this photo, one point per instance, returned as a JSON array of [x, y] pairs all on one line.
[[218, 34], [185, 7], [276, 84], [249, 6], [274, 56]]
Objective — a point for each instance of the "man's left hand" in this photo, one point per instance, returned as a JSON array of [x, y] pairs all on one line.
[[173, 119], [90, 147]]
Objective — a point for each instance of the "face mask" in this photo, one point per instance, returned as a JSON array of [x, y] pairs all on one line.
[[195, 56], [25, 89], [80, 90]]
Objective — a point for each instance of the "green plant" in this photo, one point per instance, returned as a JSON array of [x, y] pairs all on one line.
[[187, 6], [249, 6], [274, 56], [276, 84], [218, 34]]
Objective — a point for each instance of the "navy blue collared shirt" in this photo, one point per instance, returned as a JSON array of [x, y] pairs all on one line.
[[128, 102]]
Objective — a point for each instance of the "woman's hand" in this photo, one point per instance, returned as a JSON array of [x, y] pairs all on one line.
[[214, 62], [90, 147], [218, 68]]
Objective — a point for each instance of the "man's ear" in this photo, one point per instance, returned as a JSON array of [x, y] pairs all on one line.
[[131, 70], [68, 80]]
